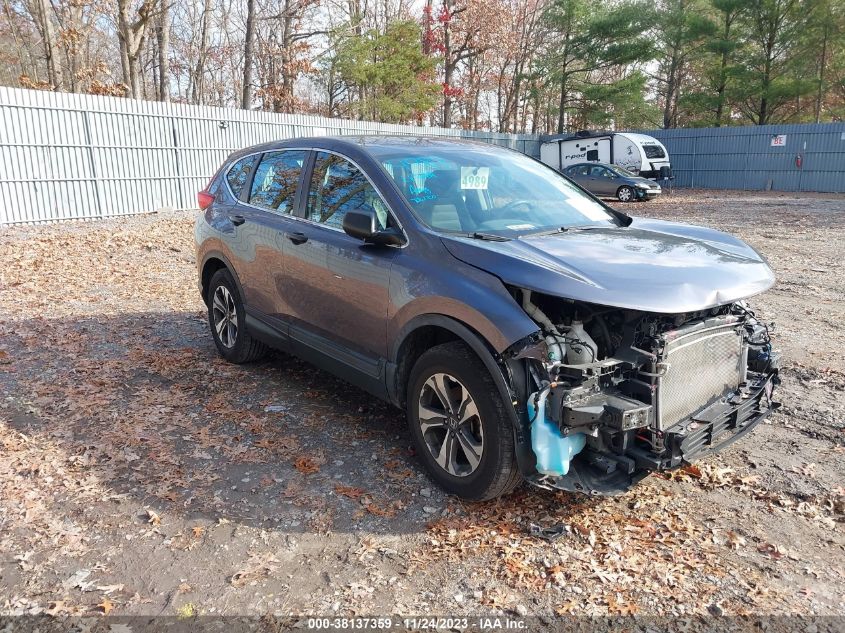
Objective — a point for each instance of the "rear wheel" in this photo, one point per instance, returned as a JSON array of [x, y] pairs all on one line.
[[625, 194], [459, 424], [227, 320]]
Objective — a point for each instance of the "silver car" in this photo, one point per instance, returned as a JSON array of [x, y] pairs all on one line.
[[604, 180]]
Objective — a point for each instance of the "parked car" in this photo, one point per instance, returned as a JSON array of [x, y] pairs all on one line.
[[604, 180], [528, 330]]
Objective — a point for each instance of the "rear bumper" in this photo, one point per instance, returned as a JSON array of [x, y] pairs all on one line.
[[708, 431]]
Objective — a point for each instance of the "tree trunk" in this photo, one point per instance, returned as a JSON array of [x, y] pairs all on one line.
[[564, 97], [199, 69], [723, 73], [448, 71], [671, 89], [249, 45], [48, 33], [822, 68], [163, 40]]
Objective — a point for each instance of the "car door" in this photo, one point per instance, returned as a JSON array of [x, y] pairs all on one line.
[[336, 286], [600, 181], [578, 173], [264, 210]]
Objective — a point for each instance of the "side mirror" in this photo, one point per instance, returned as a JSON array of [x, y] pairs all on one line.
[[360, 223], [363, 224]]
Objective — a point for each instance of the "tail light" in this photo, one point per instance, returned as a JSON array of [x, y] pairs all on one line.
[[205, 199]]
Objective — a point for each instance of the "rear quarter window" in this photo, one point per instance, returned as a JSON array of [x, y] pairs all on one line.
[[238, 173]]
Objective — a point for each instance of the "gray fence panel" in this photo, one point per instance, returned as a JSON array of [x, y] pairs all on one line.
[[744, 158], [69, 156]]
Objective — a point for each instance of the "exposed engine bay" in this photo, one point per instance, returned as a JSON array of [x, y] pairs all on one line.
[[612, 394]]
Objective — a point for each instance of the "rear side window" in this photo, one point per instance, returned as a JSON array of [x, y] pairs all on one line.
[[238, 173], [653, 151], [276, 179], [338, 186]]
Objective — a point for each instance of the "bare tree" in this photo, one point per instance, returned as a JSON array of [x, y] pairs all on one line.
[[198, 77], [132, 35], [163, 41], [44, 16], [249, 46]]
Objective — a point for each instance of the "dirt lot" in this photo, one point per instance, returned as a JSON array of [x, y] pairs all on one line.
[[139, 474]]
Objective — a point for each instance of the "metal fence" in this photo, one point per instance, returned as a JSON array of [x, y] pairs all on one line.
[[69, 156], [806, 157]]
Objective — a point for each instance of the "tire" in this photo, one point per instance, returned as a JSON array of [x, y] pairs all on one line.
[[233, 342], [625, 194], [454, 369]]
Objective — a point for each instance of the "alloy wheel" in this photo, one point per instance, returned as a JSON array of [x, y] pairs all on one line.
[[451, 425], [225, 317]]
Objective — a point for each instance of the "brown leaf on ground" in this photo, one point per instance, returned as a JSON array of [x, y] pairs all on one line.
[[106, 605], [153, 518], [349, 491], [257, 566], [735, 541], [770, 550], [306, 466]]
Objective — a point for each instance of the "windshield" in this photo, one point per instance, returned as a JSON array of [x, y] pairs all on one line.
[[621, 171], [468, 189]]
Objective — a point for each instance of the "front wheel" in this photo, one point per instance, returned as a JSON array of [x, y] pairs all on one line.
[[625, 194], [459, 424]]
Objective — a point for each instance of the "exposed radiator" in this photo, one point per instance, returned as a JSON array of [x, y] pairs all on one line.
[[704, 365]]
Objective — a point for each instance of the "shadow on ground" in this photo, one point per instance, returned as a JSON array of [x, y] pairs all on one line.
[[144, 402]]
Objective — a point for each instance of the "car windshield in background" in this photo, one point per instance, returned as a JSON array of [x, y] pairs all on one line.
[[621, 171], [475, 190]]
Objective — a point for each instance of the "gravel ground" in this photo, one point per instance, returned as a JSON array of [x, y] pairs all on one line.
[[141, 475]]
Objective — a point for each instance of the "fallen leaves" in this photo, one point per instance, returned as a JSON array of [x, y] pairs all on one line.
[[259, 565], [114, 421], [306, 465], [770, 550], [349, 491], [106, 606], [153, 518], [735, 540]]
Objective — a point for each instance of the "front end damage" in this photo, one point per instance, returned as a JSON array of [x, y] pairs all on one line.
[[607, 395]]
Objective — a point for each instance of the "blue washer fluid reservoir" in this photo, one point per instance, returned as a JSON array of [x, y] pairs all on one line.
[[553, 450]]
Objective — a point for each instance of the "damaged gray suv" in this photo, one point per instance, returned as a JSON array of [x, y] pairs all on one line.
[[529, 331]]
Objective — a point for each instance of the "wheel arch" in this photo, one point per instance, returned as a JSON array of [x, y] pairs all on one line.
[[212, 262], [423, 333], [420, 334]]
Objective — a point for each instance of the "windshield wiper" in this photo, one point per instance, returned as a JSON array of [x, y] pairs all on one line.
[[563, 229], [560, 229], [489, 237]]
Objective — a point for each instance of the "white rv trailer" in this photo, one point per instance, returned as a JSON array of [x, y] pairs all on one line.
[[638, 153]]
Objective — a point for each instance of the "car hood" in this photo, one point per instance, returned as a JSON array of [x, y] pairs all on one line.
[[642, 181], [651, 265]]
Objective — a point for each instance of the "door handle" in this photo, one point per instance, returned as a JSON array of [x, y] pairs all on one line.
[[296, 238], [237, 220]]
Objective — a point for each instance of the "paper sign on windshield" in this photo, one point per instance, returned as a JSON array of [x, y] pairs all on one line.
[[474, 177]]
